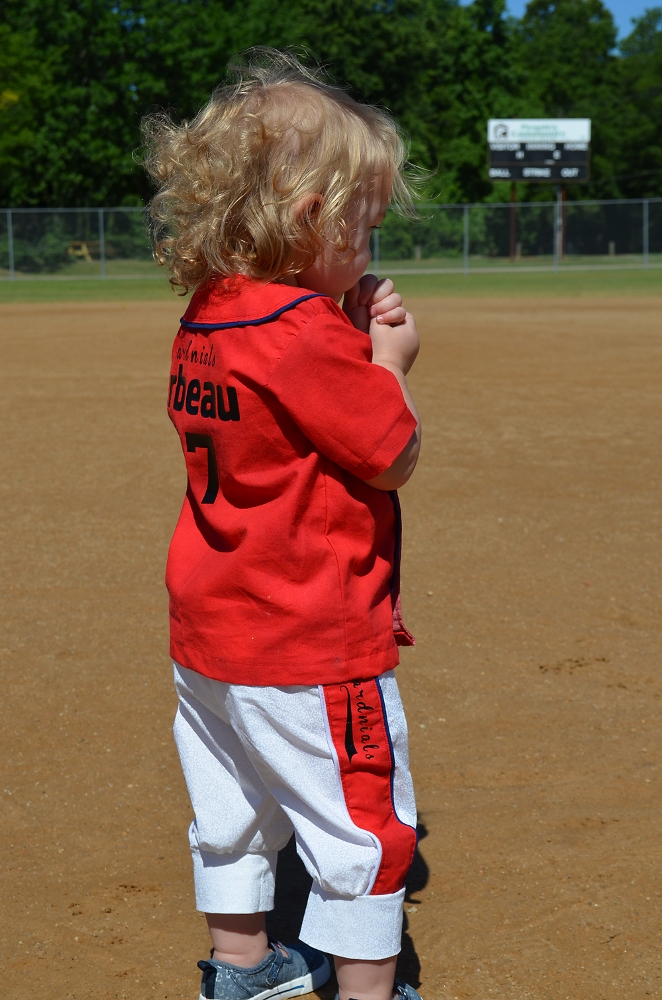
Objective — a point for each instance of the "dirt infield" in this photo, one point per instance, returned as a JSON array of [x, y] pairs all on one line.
[[531, 579]]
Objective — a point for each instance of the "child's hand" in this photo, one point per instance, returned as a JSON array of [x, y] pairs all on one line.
[[376, 308], [373, 300], [384, 303], [394, 345]]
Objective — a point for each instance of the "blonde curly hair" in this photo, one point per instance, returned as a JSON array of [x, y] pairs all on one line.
[[230, 183]]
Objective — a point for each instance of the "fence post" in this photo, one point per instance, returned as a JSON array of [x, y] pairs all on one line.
[[10, 245], [102, 246], [513, 221], [645, 233], [375, 250], [557, 228], [465, 240]]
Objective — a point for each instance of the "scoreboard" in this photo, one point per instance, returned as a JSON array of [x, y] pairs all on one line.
[[546, 150]]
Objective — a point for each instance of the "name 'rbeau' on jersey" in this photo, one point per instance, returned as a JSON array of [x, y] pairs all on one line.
[[205, 398]]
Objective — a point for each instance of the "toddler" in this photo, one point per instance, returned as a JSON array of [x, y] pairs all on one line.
[[288, 392]]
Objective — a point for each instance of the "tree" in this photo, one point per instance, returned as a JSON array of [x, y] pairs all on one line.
[[25, 84], [567, 49], [442, 69], [108, 64], [640, 159], [76, 76]]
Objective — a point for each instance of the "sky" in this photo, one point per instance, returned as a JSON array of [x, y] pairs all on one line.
[[623, 11]]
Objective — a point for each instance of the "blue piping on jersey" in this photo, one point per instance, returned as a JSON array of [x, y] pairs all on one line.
[[397, 549], [251, 322]]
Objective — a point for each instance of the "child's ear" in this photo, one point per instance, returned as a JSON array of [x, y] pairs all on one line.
[[308, 207]]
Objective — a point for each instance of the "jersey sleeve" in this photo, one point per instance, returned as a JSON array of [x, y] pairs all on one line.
[[352, 411]]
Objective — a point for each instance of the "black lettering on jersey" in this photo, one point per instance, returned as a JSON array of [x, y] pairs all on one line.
[[192, 396], [208, 402], [232, 412], [195, 441], [211, 404], [207, 357], [202, 357], [178, 402]]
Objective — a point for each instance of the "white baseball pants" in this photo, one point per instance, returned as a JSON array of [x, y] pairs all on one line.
[[329, 763]]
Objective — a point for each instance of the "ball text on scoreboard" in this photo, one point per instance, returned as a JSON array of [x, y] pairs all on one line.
[[547, 150]]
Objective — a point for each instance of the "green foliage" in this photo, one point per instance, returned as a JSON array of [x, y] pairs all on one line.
[[127, 236], [25, 87], [567, 49], [641, 161], [438, 233], [76, 76], [48, 253]]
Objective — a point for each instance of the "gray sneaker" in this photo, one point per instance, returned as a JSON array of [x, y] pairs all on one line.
[[403, 990], [287, 972]]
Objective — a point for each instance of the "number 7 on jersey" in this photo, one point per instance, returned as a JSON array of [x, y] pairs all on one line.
[[195, 441]]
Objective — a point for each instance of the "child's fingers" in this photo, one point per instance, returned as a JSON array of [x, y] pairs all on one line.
[[392, 301], [393, 316], [351, 297], [367, 286], [382, 290]]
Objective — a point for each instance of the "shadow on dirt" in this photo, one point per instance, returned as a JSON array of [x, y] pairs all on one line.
[[409, 965], [293, 885]]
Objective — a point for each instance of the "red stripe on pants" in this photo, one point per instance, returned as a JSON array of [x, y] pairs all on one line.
[[360, 736]]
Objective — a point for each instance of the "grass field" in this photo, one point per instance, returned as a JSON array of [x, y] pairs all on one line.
[[596, 283], [531, 578]]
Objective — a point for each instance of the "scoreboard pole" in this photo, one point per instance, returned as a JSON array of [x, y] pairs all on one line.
[[559, 224], [513, 221], [557, 228]]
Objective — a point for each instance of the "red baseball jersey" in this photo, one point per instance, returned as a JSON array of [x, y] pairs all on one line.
[[284, 564]]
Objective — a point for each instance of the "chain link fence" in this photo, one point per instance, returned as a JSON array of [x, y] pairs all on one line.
[[527, 236], [75, 243], [114, 243]]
